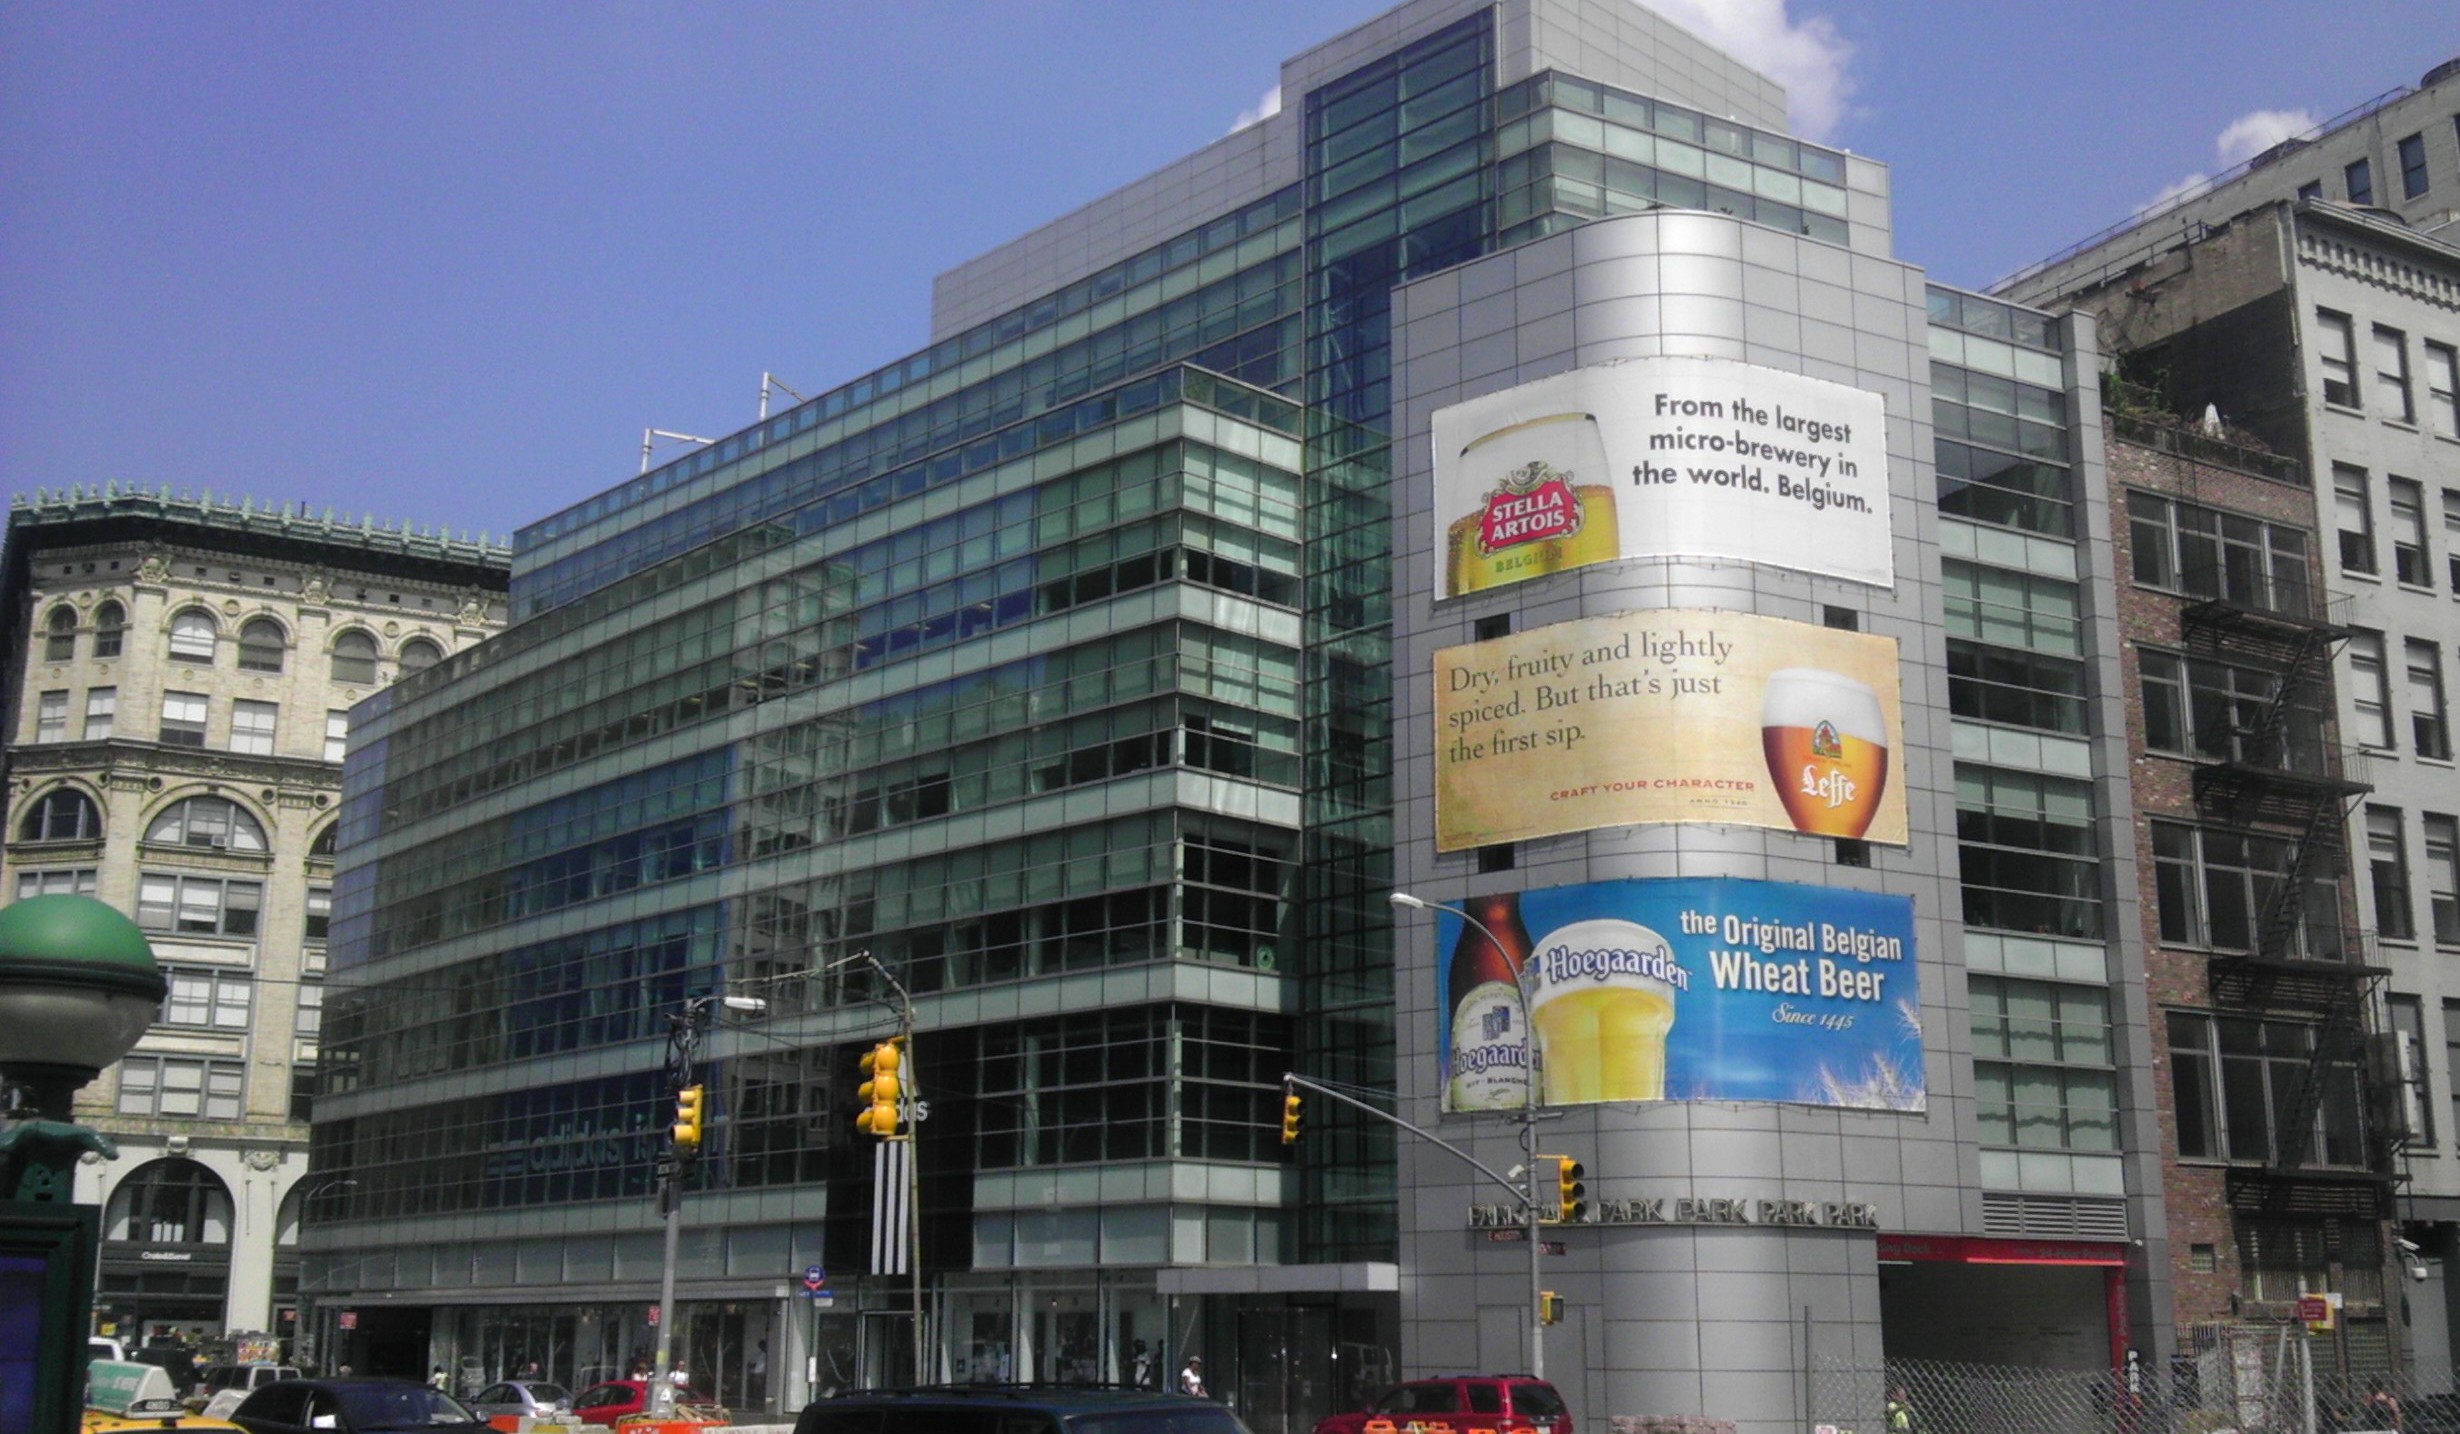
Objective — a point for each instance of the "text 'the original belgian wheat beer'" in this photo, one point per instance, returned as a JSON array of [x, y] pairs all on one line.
[[1544, 505], [1490, 1031], [1602, 1000], [1827, 745]]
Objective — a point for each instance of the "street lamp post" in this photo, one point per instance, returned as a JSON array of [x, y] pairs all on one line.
[[78, 986], [1530, 1110], [684, 1031]]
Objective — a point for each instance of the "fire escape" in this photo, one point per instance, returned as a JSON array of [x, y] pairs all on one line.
[[2279, 777]]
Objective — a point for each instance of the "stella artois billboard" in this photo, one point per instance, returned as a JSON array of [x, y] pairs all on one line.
[[1663, 457]]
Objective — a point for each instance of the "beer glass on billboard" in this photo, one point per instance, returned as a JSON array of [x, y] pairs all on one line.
[[1602, 1004], [1827, 745], [1542, 506]]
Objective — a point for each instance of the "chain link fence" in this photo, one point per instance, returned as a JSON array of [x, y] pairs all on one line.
[[2226, 1380]]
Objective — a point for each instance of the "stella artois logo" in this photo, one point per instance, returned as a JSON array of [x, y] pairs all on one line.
[[1826, 743], [1531, 504]]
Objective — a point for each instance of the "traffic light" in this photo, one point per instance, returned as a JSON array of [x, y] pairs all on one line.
[[688, 1116], [1550, 1307], [1289, 1116], [878, 1091], [1570, 1194]]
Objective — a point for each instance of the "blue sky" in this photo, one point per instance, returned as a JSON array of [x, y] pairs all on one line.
[[444, 261]]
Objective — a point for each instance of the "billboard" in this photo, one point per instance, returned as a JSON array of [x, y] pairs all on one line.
[[1668, 715], [1663, 457], [1685, 989]]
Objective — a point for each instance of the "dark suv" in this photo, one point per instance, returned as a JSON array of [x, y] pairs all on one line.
[[1501, 1402], [1015, 1409]]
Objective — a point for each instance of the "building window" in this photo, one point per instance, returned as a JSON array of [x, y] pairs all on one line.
[[198, 905], [2429, 723], [2219, 712], [2042, 1066], [51, 717], [260, 645], [2026, 852], [62, 814], [2410, 563], [2387, 866], [2443, 877], [2015, 689], [2392, 374], [110, 629], [2217, 888], [218, 1000], [2408, 1017], [192, 637], [2357, 518], [183, 719], [252, 727], [337, 735], [2451, 1058], [181, 1086], [2412, 152], [216, 823], [2359, 175], [418, 654], [102, 707], [2210, 553], [2011, 609], [326, 842], [77, 881], [2370, 693], [303, 1092], [319, 912], [2336, 343], [2311, 189], [60, 635], [2443, 388], [309, 1023], [2235, 1079], [169, 1202], [354, 658]]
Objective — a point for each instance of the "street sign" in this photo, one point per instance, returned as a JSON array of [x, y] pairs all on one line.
[[1553, 1247], [821, 1299], [349, 1319], [1506, 1237], [815, 1279]]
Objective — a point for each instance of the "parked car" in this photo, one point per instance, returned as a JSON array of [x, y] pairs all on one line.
[[178, 1359], [1015, 1409], [612, 1400], [352, 1406], [528, 1398], [124, 1397], [1514, 1400], [214, 1378]]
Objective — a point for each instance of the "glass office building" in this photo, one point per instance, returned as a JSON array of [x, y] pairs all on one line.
[[1076, 672]]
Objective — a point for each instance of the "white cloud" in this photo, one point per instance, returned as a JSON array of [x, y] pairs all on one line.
[[2240, 140], [1808, 56], [2251, 134], [1266, 108]]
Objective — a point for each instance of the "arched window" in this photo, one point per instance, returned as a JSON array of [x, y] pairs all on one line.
[[192, 637], [170, 1202], [418, 654], [60, 635], [260, 645], [62, 814], [110, 625], [354, 658], [215, 822], [327, 841]]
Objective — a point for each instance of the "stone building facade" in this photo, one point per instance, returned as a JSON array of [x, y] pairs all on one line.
[[178, 684]]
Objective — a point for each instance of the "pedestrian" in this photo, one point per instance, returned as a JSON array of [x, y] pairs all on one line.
[[1900, 1412], [1140, 1367], [438, 1380], [1191, 1377], [2382, 1407]]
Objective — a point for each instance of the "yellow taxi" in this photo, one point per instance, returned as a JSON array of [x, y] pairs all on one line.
[[129, 1396]]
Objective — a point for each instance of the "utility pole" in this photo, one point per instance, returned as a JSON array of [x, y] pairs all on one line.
[[684, 1031], [895, 1111]]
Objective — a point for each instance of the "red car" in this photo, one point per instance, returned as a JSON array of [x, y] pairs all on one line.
[[608, 1402], [1501, 1402]]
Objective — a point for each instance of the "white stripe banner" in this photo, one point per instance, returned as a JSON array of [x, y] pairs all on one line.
[[891, 1209]]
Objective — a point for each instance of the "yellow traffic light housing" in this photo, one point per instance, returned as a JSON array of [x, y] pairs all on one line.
[[1289, 1117], [1571, 1196], [688, 1103], [880, 1088], [1550, 1307]]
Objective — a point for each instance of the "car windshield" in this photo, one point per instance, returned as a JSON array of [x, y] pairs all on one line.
[[406, 1406], [1157, 1421], [548, 1393]]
